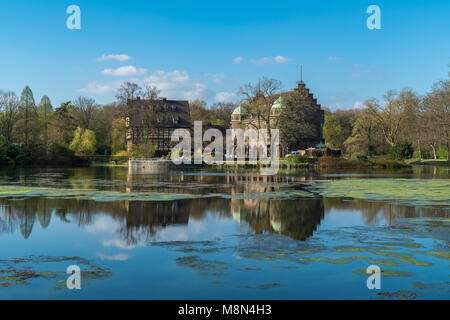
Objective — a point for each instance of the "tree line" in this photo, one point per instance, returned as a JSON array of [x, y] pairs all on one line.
[[418, 125], [34, 133]]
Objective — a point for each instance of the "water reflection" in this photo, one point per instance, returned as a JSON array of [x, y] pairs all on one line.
[[139, 220]]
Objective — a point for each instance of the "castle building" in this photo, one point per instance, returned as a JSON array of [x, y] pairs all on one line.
[[154, 121], [241, 118]]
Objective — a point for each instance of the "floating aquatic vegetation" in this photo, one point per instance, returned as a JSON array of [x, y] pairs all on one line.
[[192, 246], [206, 267], [436, 287], [271, 195], [394, 248], [401, 295], [439, 254], [417, 192], [264, 286], [20, 271], [386, 273], [334, 261], [89, 194]]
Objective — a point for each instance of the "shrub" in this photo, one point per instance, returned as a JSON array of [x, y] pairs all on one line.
[[122, 153], [401, 151], [332, 162], [441, 153], [4, 160], [13, 151], [143, 151], [298, 159], [362, 157], [23, 159], [60, 154]]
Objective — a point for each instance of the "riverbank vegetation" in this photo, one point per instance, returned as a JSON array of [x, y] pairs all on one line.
[[405, 126]]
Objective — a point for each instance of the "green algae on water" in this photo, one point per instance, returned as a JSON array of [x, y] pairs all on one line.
[[89, 194], [417, 192]]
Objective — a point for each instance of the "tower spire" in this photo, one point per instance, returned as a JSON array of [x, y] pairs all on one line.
[[301, 73]]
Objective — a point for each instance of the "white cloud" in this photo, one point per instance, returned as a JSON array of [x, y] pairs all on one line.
[[101, 225], [281, 59], [98, 88], [225, 97], [238, 59], [125, 71], [358, 105], [118, 57], [215, 77], [277, 59], [173, 85], [366, 72], [117, 257], [334, 58], [177, 85], [121, 244]]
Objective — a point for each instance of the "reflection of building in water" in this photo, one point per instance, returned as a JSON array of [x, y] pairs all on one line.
[[297, 219], [147, 217], [137, 219], [254, 183]]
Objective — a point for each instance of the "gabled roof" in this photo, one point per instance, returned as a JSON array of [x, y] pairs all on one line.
[[239, 110], [166, 113], [279, 103]]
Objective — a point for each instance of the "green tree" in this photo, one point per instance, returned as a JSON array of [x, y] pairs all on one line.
[[28, 110], [333, 132], [296, 120], [45, 110], [83, 142], [118, 135], [62, 125], [401, 151], [88, 142], [75, 145]]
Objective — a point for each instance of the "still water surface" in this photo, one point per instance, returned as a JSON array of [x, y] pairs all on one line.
[[223, 235]]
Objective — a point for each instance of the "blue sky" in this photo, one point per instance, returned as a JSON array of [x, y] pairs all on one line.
[[191, 49]]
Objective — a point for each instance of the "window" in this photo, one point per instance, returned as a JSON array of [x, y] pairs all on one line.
[[161, 145]]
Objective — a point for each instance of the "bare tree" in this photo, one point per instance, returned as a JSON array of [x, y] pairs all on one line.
[[151, 92], [128, 91], [9, 109], [365, 134], [85, 111], [259, 99], [437, 117], [390, 116]]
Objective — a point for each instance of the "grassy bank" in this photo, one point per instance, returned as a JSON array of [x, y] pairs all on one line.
[[430, 162]]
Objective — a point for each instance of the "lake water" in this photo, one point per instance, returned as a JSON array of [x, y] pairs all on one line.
[[224, 235]]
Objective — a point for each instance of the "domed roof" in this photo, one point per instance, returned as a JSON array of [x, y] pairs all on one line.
[[239, 110], [280, 103]]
